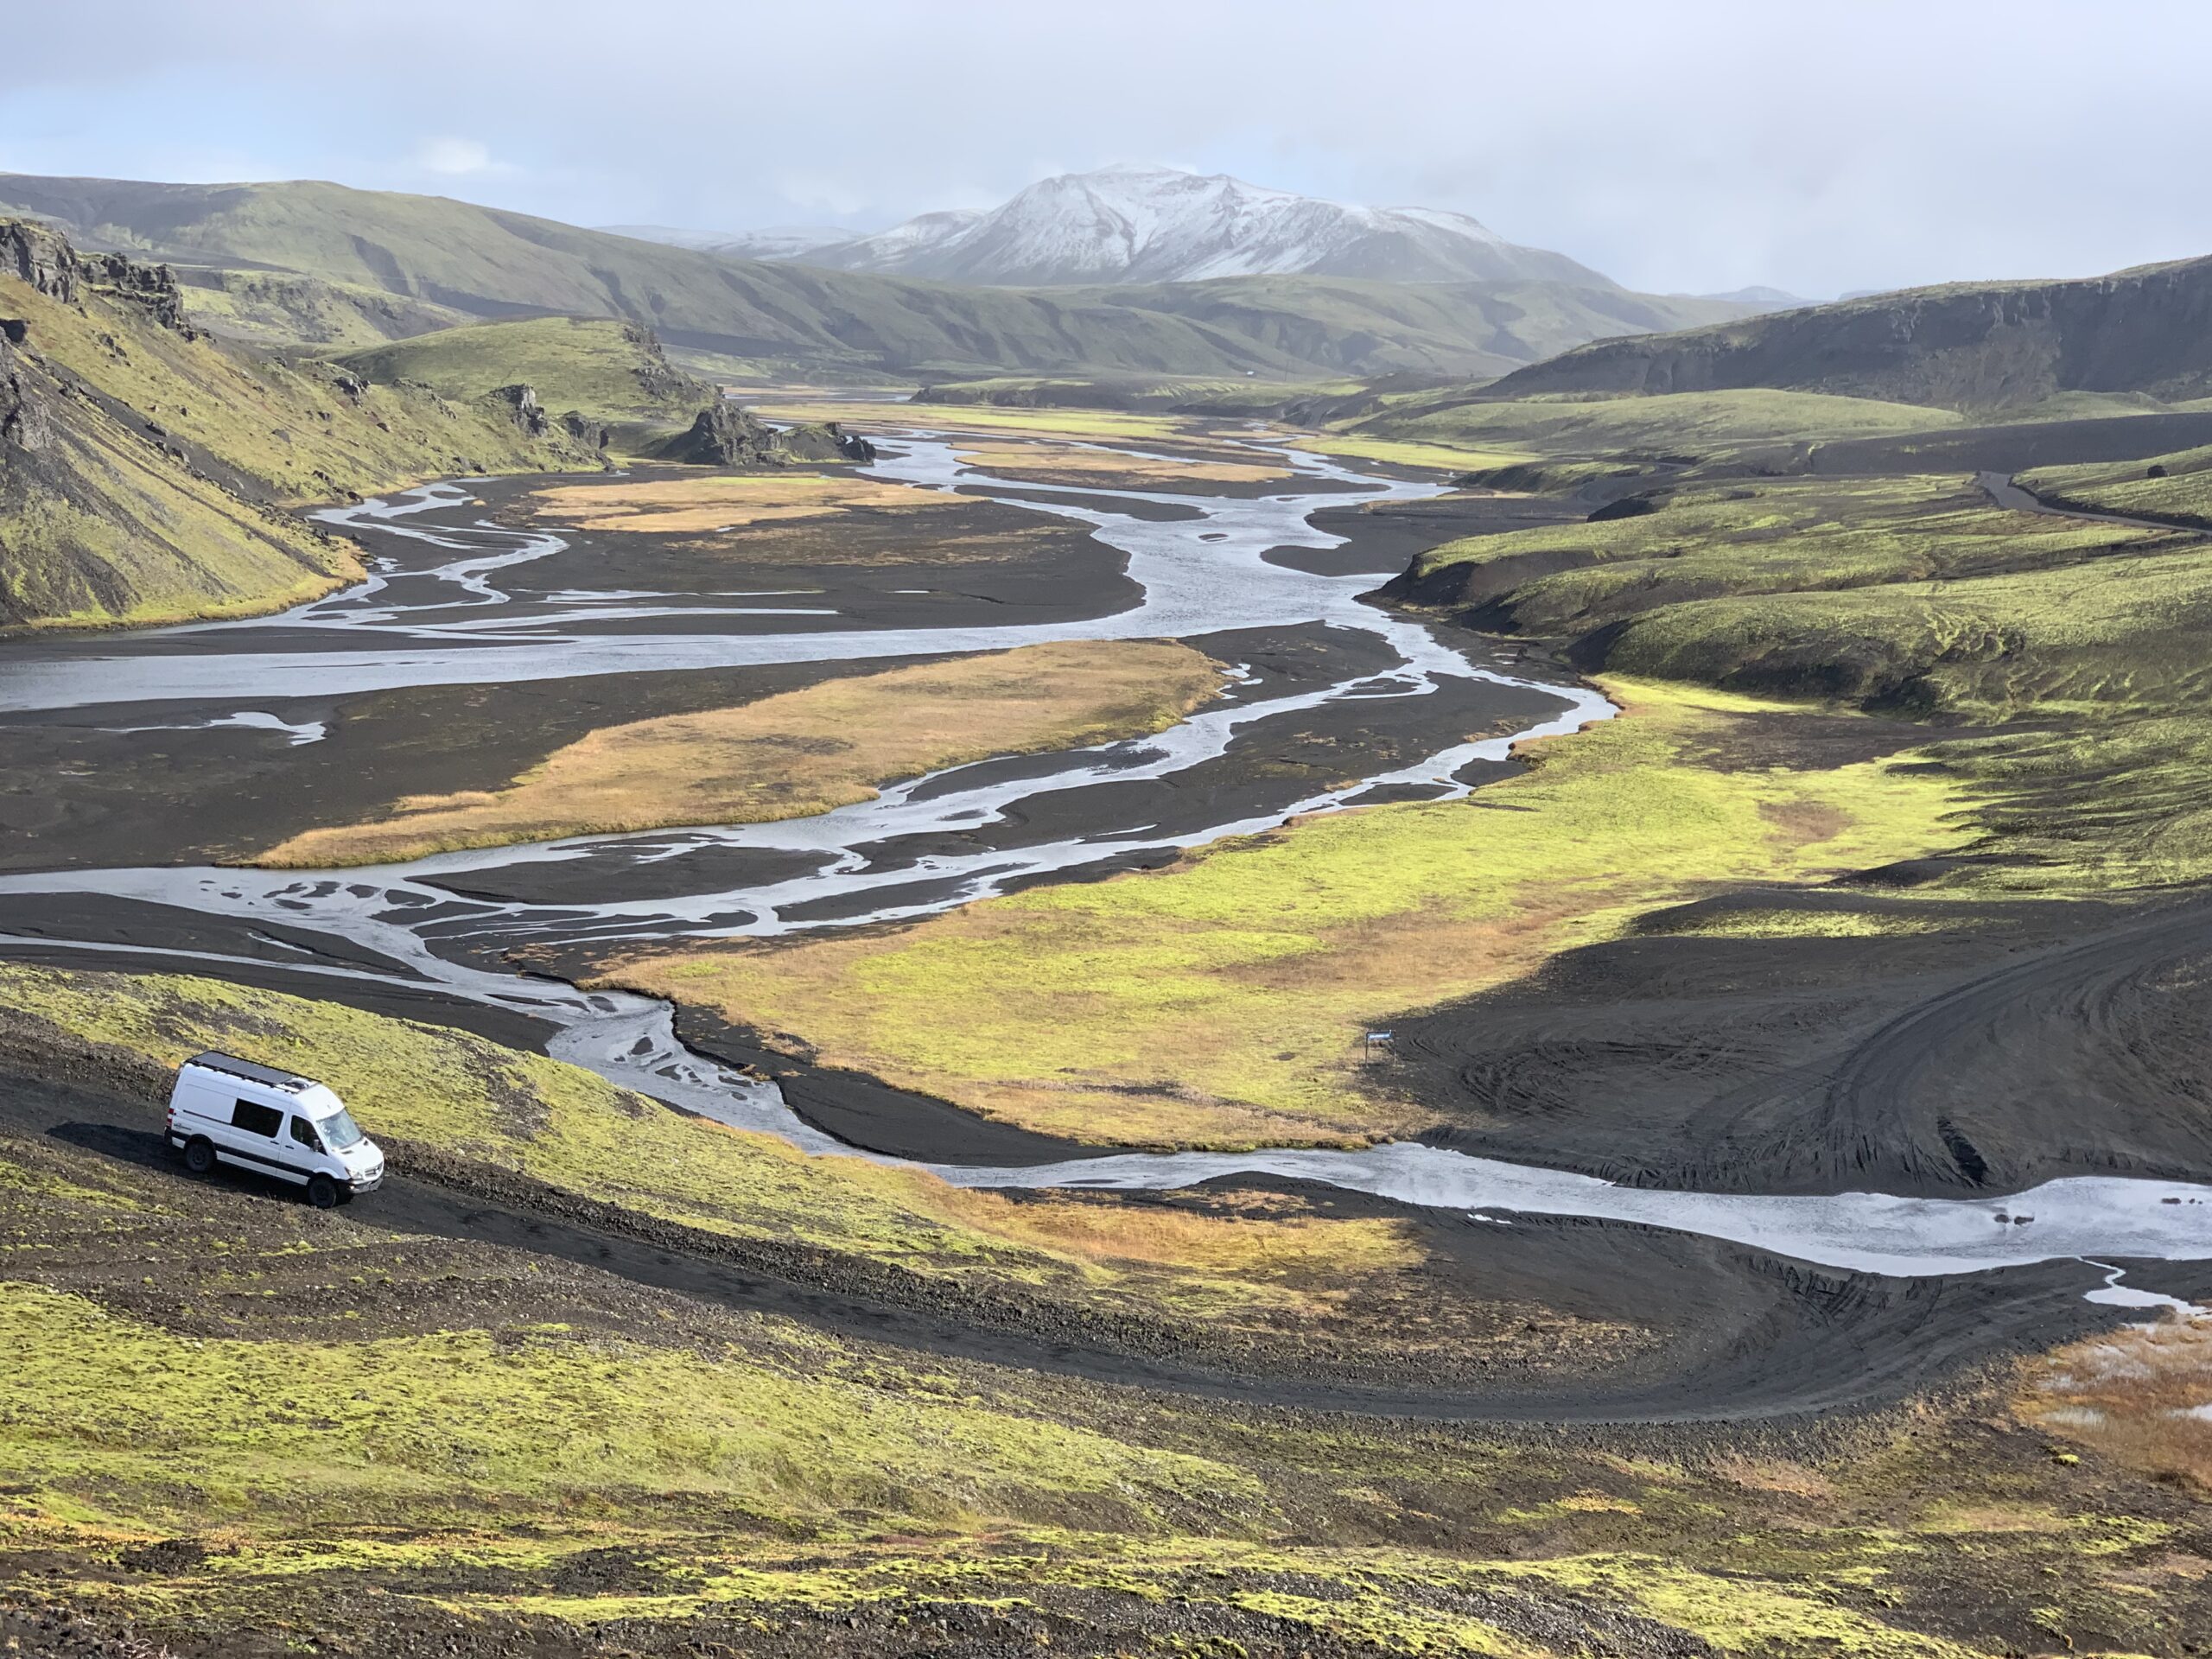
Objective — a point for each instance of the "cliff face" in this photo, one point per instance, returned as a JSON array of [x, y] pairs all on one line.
[[1963, 347], [146, 472]]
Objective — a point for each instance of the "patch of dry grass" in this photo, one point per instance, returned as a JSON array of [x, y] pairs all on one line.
[[2141, 1395], [724, 502], [796, 753], [1250, 1236]]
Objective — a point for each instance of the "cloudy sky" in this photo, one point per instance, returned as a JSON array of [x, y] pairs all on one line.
[[1690, 147]]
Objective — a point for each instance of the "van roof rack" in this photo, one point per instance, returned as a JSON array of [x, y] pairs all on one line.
[[211, 1061]]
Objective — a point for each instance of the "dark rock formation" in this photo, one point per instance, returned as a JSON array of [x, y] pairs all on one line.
[[725, 436], [521, 402], [659, 381], [26, 421], [592, 434], [826, 441], [153, 288], [32, 253]]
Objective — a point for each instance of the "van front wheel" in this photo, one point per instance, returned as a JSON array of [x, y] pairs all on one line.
[[322, 1191], [199, 1155]]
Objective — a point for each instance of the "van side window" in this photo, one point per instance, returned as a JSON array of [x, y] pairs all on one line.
[[255, 1118], [303, 1132]]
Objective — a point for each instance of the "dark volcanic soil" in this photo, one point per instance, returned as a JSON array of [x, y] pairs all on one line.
[[2019, 1044], [1384, 539]]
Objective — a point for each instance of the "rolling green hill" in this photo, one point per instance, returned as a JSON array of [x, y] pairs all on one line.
[[145, 467], [275, 309], [491, 263], [607, 370], [1966, 345]]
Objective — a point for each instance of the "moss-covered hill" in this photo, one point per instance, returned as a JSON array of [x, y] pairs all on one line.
[[491, 263], [145, 468], [610, 370]]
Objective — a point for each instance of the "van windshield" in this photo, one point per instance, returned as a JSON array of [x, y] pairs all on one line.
[[339, 1130]]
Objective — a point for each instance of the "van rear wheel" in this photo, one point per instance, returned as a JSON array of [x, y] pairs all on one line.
[[322, 1191], [199, 1155]]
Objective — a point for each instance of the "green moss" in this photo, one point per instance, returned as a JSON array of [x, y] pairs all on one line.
[[1800, 536], [1681, 423], [557, 1122], [462, 1423], [118, 520], [609, 369], [2176, 487], [1246, 972]]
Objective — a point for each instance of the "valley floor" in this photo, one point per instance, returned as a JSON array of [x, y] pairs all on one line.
[[1879, 864]]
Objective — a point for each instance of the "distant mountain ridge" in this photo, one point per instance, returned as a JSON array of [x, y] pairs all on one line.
[[1160, 225], [779, 317], [1964, 346]]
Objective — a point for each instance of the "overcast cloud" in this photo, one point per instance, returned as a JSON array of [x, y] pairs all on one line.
[[1692, 147]]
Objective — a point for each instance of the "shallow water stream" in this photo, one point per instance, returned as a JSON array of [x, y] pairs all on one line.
[[454, 614]]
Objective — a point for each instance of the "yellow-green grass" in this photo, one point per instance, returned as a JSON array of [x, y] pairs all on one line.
[[289, 425], [607, 369], [796, 753], [539, 1457], [1742, 538], [1677, 423], [864, 416], [569, 1127], [2114, 635], [278, 310], [1221, 1001], [1432, 455], [107, 524], [106, 1418], [2181, 488], [1182, 394], [150, 544]]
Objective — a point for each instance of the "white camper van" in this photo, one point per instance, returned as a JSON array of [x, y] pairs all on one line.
[[231, 1111]]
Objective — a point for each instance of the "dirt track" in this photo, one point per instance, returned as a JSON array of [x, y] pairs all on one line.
[[1748, 1336]]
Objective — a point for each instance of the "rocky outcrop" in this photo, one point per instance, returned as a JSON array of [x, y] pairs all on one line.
[[521, 403], [41, 257], [659, 380], [826, 441], [152, 289], [725, 436], [32, 253], [589, 434], [26, 422]]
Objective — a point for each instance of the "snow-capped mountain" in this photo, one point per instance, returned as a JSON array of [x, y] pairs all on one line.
[[1155, 225]]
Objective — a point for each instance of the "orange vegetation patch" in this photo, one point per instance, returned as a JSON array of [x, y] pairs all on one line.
[[2142, 1395], [796, 753], [1251, 1235], [722, 501]]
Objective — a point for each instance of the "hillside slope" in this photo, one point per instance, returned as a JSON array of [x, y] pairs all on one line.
[[1965, 346], [609, 370], [491, 263], [143, 468]]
